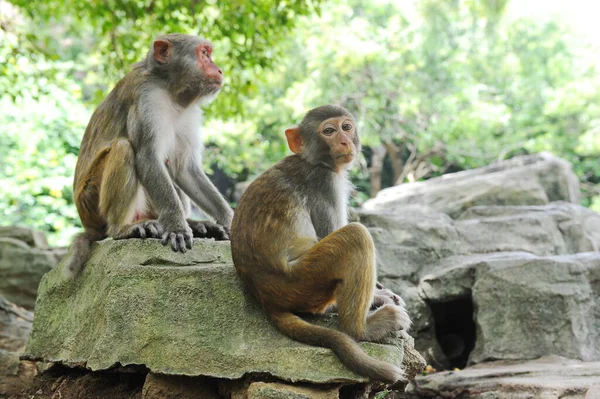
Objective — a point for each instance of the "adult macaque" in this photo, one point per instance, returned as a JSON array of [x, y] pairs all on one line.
[[139, 161], [294, 250]]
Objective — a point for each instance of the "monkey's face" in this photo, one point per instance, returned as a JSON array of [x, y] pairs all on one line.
[[212, 73], [340, 136]]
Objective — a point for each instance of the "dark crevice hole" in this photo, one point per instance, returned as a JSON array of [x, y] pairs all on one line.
[[455, 329]]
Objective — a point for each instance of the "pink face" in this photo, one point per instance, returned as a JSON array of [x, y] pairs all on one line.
[[340, 135], [205, 62]]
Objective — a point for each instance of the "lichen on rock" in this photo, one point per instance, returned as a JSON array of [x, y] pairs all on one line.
[[138, 303]]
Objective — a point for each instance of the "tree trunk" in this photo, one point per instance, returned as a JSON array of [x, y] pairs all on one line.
[[395, 157], [376, 169]]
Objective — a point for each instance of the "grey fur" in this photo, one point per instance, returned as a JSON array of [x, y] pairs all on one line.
[[153, 110], [315, 151]]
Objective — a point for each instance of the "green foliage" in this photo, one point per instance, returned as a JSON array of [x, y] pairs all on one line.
[[73, 57], [437, 85], [445, 85], [40, 129], [120, 32]]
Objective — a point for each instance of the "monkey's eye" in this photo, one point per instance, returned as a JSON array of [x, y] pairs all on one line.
[[328, 131], [205, 52], [347, 126]]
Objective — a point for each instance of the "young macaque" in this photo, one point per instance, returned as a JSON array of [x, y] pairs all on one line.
[[139, 161], [294, 249]]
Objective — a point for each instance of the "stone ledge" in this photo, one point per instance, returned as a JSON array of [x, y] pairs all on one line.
[[139, 303]]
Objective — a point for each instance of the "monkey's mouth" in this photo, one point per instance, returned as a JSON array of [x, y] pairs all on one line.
[[347, 157], [216, 81]]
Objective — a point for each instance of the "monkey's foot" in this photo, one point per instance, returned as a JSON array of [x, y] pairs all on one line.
[[208, 230], [385, 320], [143, 229], [385, 297]]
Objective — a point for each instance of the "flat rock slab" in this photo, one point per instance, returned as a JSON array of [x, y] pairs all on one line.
[[411, 242], [528, 180], [139, 303], [551, 377]]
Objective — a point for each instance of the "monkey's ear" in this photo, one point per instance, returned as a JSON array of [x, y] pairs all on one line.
[[161, 50], [294, 139]]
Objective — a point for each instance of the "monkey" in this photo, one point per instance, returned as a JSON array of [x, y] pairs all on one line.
[[139, 160], [295, 252]]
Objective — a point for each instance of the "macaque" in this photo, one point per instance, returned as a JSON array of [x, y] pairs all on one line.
[[139, 161], [295, 251]]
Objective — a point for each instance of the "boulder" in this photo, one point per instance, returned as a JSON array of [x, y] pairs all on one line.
[[526, 180], [31, 237], [274, 390], [525, 306], [24, 259], [158, 386], [15, 325], [434, 261], [138, 303], [553, 229], [550, 377], [411, 242], [537, 307]]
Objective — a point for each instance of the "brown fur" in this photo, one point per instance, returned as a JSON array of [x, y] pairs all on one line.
[[293, 248]]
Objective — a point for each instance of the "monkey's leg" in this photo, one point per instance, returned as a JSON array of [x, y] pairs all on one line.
[[353, 251], [340, 268], [121, 196]]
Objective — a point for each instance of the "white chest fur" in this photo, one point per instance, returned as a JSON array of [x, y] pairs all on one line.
[[342, 189], [177, 130]]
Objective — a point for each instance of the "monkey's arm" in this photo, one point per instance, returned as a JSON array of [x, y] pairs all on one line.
[[325, 220], [194, 182], [152, 173]]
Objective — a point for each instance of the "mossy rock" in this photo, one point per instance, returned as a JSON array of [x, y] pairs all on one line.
[[139, 303]]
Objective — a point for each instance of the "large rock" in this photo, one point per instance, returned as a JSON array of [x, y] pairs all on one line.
[[410, 242], [24, 259], [31, 237], [262, 390], [158, 386], [15, 325], [538, 307], [528, 180], [553, 229], [548, 378], [433, 261], [525, 306], [139, 303]]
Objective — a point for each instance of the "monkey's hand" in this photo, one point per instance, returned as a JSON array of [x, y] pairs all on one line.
[[208, 230], [180, 236]]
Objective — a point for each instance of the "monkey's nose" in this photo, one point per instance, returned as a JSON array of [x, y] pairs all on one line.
[[220, 72]]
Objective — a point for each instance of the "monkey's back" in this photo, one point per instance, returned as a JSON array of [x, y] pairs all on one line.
[[109, 120], [267, 218]]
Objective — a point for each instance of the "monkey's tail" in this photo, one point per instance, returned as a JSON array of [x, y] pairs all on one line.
[[80, 251], [345, 348]]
